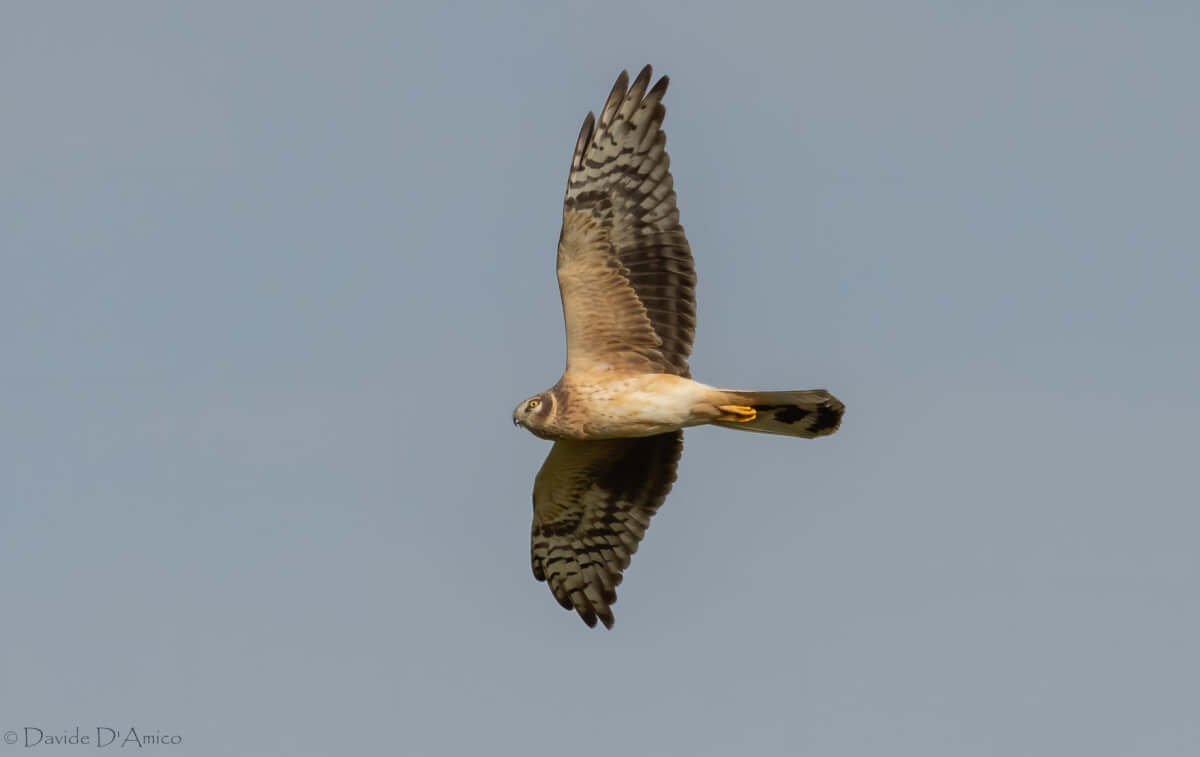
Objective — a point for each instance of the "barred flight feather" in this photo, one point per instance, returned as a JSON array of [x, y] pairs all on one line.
[[621, 181], [592, 504]]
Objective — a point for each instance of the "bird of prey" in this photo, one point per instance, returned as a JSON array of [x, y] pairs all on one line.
[[616, 416]]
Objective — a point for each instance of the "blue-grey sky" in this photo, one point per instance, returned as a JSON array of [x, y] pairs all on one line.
[[274, 276]]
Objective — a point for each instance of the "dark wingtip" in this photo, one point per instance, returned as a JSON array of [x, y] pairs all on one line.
[[643, 78], [620, 86], [581, 142], [660, 86]]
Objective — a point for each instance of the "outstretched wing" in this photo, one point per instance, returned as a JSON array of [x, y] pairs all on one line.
[[592, 503], [625, 269]]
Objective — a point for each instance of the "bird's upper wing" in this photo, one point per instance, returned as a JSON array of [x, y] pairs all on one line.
[[592, 503], [625, 269]]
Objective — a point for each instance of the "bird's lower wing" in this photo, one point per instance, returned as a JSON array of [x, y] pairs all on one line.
[[592, 504]]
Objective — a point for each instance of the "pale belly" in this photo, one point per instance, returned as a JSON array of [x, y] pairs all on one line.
[[640, 406]]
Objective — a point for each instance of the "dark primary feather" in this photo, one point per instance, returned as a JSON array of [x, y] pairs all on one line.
[[620, 176]]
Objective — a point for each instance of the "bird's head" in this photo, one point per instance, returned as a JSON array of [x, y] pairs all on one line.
[[535, 413]]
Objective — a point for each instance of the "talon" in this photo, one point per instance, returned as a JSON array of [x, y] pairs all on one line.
[[739, 413]]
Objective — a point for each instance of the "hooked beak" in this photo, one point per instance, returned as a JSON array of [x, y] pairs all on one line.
[[515, 421]]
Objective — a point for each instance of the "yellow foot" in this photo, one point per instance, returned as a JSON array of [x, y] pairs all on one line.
[[737, 413]]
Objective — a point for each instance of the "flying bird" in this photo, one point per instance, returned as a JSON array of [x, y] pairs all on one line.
[[628, 287]]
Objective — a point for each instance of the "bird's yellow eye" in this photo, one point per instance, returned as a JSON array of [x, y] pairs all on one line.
[[533, 404]]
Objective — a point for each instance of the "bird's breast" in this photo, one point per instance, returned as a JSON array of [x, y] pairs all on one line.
[[631, 406]]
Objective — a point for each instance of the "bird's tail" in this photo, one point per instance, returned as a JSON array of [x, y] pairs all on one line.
[[808, 413]]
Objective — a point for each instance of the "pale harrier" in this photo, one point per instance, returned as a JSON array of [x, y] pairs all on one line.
[[628, 293]]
